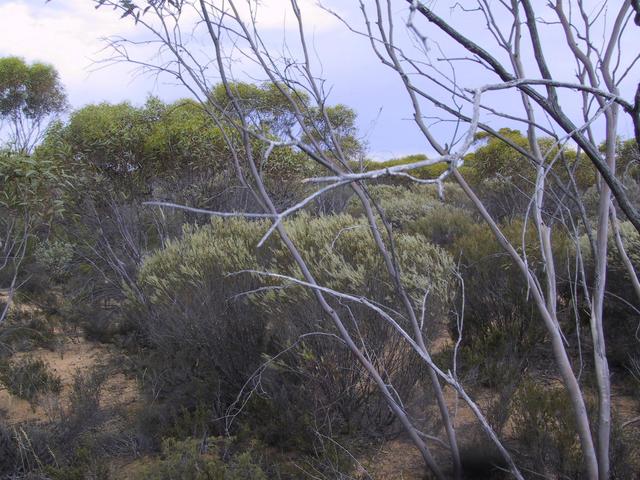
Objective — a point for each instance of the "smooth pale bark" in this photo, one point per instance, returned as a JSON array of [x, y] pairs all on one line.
[[622, 252], [392, 268], [597, 307], [559, 352], [553, 109], [270, 207]]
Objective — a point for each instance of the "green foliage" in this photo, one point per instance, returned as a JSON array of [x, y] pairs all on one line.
[[29, 185], [620, 316], [55, 256], [110, 137], [82, 465], [14, 75], [339, 249], [201, 309], [502, 329], [428, 172], [401, 205], [542, 420], [84, 398], [443, 225], [631, 242], [628, 160], [32, 90], [28, 378], [336, 122], [498, 158], [263, 106], [28, 95], [417, 210], [182, 139], [504, 178], [25, 331], [190, 459], [132, 148], [29, 199], [267, 109]]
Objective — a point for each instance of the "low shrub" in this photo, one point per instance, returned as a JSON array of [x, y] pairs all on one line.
[[207, 325], [55, 258], [543, 421], [502, 326], [443, 225], [25, 331], [620, 316], [624, 450], [24, 450], [193, 459], [84, 398], [28, 378], [83, 464], [400, 204]]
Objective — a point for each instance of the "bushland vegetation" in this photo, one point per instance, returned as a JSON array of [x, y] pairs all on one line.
[[286, 307], [241, 369]]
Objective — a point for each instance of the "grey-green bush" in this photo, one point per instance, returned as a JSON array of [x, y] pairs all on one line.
[[209, 323]]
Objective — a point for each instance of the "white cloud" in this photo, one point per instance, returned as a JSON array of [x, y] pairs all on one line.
[[68, 34], [65, 33]]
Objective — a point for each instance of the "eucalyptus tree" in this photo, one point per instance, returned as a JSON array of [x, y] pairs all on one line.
[[30, 97], [29, 200]]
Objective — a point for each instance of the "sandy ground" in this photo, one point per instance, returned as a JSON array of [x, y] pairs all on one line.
[[71, 358]]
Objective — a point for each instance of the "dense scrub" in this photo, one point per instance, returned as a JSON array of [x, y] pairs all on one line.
[[241, 373], [216, 323]]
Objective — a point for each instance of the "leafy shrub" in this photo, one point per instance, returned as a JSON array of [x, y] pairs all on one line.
[[55, 257], [542, 420], [83, 464], [24, 331], [30, 185], [431, 171], [24, 449], [620, 317], [84, 398], [417, 210], [29, 377], [502, 328], [209, 326], [29, 454], [8, 451], [631, 241], [400, 205], [190, 459], [443, 225], [624, 450]]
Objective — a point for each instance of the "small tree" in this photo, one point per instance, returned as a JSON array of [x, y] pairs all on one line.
[[30, 96], [28, 199]]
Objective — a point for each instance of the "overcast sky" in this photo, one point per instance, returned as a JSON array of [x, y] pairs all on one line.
[[70, 35]]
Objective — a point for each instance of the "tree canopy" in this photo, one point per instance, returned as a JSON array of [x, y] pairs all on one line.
[[29, 96]]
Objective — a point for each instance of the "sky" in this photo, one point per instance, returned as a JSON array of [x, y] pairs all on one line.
[[70, 34]]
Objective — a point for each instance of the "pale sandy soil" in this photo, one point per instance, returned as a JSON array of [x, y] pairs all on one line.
[[73, 357]]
